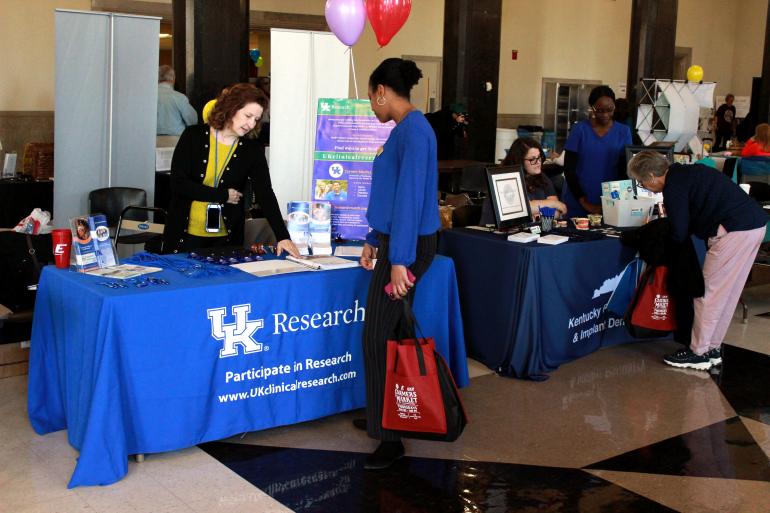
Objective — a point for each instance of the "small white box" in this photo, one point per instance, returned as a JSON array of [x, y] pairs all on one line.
[[624, 213], [623, 188]]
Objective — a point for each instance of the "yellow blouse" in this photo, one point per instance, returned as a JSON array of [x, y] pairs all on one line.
[[222, 156]]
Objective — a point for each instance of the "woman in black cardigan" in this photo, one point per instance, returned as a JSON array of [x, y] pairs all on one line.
[[209, 170]]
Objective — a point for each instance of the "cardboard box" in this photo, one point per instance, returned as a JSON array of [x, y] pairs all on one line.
[[14, 361], [626, 213]]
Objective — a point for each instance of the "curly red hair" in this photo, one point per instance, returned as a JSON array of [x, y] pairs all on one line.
[[233, 99]]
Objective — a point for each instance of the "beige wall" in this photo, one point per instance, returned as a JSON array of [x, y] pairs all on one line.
[[571, 39], [749, 44], [291, 6], [574, 39], [709, 28], [27, 52], [422, 34]]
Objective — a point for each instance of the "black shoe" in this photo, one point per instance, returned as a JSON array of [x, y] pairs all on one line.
[[385, 455], [714, 356], [686, 359], [360, 424]]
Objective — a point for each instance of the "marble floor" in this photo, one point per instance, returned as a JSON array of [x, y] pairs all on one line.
[[616, 431]]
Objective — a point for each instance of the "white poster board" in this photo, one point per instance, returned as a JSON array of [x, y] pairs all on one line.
[[305, 66]]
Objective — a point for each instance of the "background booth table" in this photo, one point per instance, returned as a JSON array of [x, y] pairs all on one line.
[[139, 370], [528, 308]]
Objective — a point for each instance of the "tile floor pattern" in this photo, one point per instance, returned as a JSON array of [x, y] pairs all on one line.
[[616, 431]]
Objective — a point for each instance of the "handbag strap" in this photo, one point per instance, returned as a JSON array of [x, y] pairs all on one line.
[[411, 324], [33, 254]]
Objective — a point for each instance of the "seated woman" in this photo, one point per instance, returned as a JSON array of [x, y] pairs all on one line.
[[759, 145], [209, 171], [528, 154]]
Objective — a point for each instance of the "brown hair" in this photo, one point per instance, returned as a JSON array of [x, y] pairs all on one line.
[[233, 99], [516, 155], [762, 136]]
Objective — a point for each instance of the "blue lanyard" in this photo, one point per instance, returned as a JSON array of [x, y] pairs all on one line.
[[219, 172]]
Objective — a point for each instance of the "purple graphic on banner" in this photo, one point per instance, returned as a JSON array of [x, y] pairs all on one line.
[[348, 137]]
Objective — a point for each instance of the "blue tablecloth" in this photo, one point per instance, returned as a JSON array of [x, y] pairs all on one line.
[[145, 370], [528, 308]]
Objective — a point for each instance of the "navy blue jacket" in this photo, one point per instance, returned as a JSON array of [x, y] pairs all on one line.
[[699, 198]]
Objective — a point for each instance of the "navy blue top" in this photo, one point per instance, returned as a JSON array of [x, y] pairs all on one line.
[[598, 159], [404, 201], [699, 198]]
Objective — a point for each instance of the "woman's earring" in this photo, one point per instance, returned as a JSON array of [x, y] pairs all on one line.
[[381, 101]]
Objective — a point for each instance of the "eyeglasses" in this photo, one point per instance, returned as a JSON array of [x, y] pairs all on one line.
[[603, 111], [533, 160], [644, 181]]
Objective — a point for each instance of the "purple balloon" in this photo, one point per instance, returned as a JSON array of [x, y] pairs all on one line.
[[346, 18]]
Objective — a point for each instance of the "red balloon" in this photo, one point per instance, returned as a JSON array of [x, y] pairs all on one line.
[[387, 17]]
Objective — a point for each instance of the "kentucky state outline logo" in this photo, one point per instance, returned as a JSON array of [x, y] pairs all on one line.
[[236, 334]]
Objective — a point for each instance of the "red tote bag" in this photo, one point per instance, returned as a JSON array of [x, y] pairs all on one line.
[[413, 400], [421, 397], [654, 307]]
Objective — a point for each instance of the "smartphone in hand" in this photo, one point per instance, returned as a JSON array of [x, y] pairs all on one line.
[[389, 286]]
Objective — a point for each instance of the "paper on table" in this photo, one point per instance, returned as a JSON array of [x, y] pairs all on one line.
[[124, 271], [348, 251], [270, 267], [323, 263]]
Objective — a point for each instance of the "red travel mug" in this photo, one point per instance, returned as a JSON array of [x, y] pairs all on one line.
[[62, 245]]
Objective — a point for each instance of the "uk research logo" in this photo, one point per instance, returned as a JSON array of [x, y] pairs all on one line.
[[239, 333], [59, 249], [336, 170]]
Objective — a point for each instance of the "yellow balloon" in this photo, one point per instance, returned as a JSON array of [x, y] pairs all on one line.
[[207, 110], [694, 73]]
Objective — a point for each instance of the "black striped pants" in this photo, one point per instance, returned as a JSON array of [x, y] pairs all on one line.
[[382, 322]]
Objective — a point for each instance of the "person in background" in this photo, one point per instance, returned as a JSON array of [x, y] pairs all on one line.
[[174, 110], [702, 201], [449, 125], [209, 170], [594, 153], [528, 153], [759, 145], [403, 215], [725, 123]]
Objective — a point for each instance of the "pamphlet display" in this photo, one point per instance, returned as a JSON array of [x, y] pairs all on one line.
[[348, 138], [321, 227], [91, 244], [309, 225], [298, 221]]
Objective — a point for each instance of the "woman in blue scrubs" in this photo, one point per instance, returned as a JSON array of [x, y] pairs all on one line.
[[595, 153]]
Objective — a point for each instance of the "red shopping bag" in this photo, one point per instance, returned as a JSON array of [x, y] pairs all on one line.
[[652, 312], [421, 398]]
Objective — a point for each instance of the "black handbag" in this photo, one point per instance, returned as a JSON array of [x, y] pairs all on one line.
[[22, 257]]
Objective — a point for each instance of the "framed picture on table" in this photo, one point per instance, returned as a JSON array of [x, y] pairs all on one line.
[[508, 195]]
